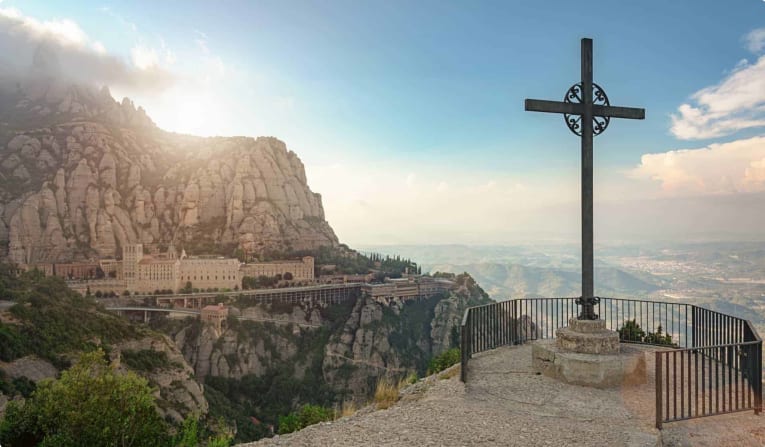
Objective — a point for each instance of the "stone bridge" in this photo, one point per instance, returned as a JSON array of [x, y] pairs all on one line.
[[321, 293], [121, 310]]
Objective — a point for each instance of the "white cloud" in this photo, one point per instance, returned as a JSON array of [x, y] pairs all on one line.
[[98, 47], [734, 167], [79, 57], [755, 40], [63, 31], [144, 58], [736, 103]]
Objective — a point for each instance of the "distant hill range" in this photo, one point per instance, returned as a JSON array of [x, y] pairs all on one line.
[[81, 175], [505, 281]]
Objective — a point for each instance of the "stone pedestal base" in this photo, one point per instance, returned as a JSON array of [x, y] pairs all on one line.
[[625, 367], [587, 337]]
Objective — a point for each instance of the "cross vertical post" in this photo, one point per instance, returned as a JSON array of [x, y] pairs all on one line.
[[588, 280], [587, 113]]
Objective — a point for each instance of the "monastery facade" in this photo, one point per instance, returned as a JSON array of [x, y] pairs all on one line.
[[408, 288], [301, 269], [146, 273]]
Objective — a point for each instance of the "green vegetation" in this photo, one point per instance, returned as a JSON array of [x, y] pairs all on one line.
[[261, 282], [631, 331], [191, 433], [16, 386], [91, 404], [147, 360], [266, 397], [444, 360], [54, 320], [658, 338], [347, 261], [407, 330], [95, 405], [277, 392], [305, 416]]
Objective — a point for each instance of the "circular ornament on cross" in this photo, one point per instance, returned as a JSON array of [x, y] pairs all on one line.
[[599, 97]]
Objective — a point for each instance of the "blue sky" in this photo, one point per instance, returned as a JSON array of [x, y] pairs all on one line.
[[429, 96]]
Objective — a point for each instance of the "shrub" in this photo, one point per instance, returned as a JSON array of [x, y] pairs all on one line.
[[444, 360], [659, 338], [631, 331], [146, 359], [307, 415], [91, 404]]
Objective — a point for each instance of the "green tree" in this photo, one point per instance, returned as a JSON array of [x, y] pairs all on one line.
[[631, 331], [91, 404], [659, 338], [444, 360]]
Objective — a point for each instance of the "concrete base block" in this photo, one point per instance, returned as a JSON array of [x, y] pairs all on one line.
[[627, 367]]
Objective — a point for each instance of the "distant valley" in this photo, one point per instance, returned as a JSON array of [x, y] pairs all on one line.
[[724, 276]]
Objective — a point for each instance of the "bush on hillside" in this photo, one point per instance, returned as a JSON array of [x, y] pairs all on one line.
[[307, 415], [91, 404], [444, 360]]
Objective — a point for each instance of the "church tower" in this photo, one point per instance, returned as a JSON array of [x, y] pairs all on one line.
[[131, 256]]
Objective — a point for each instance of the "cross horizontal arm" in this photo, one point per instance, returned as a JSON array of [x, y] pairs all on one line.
[[540, 105], [618, 112]]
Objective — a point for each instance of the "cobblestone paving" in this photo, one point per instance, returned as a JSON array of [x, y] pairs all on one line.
[[507, 404]]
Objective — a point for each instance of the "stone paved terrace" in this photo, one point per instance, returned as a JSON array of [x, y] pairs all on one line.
[[505, 403]]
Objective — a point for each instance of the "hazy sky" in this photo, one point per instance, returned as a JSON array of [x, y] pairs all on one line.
[[409, 115]]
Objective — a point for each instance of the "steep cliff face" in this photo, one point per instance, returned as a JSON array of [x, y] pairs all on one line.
[[81, 175], [348, 345], [176, 389]]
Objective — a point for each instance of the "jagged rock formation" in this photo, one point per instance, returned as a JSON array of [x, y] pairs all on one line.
[[81, 175], [351, 345], [176, 389]]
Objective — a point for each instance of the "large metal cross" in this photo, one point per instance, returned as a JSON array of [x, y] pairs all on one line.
[[587, 113]]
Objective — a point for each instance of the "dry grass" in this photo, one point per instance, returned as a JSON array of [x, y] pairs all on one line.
[[347, 409], [449, 373], [386, 393]]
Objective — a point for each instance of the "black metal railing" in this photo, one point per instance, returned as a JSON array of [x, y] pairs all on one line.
[[710, 355], [720, 372]]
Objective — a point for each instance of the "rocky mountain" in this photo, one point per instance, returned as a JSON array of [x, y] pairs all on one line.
[[326, 354], [81, 175]]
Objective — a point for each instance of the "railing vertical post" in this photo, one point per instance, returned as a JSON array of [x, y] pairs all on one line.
[[463, 352], [659, 416], [514, 327], [758, 379], [695, 324]]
